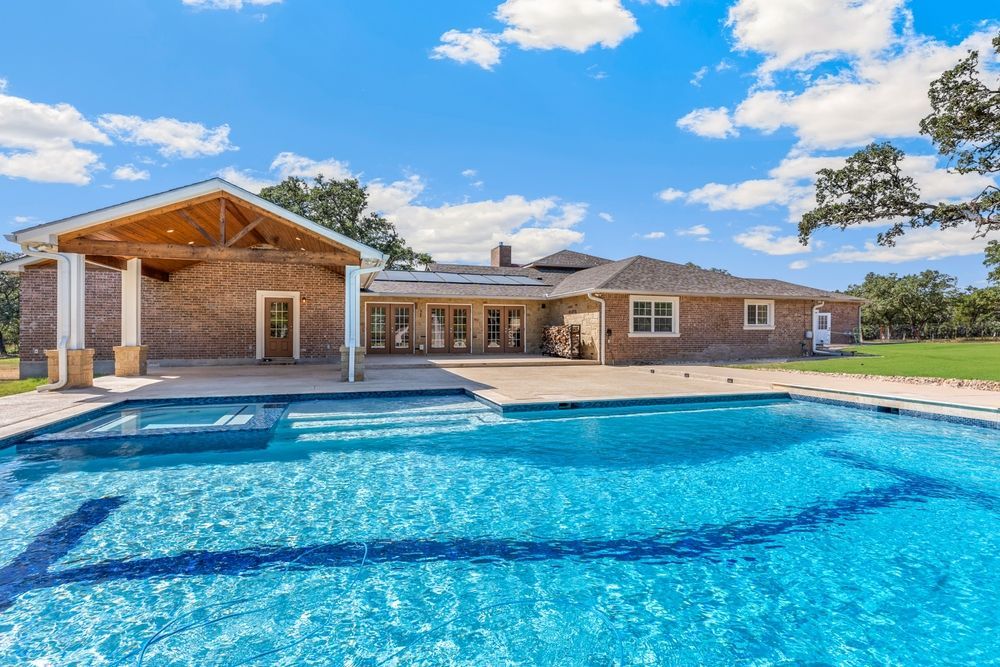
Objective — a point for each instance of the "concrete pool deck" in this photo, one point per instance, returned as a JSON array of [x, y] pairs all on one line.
[[498, 383]]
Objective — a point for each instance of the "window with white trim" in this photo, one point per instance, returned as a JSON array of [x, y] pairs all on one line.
[[758, 314], [653, 316]]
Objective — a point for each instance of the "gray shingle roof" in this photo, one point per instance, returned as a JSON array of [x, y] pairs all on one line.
[[569, 259], [636, 274], [645, 274]]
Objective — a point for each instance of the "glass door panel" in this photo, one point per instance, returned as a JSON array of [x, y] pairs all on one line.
[[460, 329], [438, 336], [494, 329], [377, 316], [401, 319], [514, 341]]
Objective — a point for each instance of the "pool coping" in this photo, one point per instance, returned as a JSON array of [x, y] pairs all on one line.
[[948, 412]]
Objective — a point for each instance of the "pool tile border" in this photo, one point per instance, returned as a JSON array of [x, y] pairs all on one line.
[[593, 404], [262, 423], [902, 412]]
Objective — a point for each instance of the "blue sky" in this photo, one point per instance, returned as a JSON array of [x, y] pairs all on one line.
[[687, 130]]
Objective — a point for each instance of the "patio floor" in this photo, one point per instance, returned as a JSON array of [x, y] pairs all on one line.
[[497, 382]]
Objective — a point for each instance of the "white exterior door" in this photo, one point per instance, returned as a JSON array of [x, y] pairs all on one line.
[[821, 329]]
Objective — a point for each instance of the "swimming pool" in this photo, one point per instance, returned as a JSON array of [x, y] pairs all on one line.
[[434, 530]]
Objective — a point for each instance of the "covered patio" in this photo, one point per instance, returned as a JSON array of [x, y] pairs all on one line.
[[206, 273]]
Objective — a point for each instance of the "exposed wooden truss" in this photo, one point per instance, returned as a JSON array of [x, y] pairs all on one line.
[[205, 253]]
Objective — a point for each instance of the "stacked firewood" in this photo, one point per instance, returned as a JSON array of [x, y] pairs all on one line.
[[561, 341]]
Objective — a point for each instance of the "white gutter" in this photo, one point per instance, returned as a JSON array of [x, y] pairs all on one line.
[[600, 332], [62, 290], [815, 310], [352, 310]]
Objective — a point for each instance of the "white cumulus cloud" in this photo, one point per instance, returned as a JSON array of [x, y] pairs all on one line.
[[172, 137], [229, 4], [922, 244], [802, 33], [766, 239], [798, 265], [670, 194], [544, 25], [462, 232], [475, 46], [129, 172], [707, 122], [41, 142], [694, 230]]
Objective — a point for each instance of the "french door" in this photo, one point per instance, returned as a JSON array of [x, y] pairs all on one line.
[[448, 329], [504, 329], [390, 328]]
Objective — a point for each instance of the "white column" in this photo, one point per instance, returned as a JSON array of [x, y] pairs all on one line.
[[132, 303], [351, 301], [70, 306]]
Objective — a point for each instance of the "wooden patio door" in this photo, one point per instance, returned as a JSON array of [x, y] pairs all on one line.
[[504, 329], [278, 328], [390, 328], [448, 329]]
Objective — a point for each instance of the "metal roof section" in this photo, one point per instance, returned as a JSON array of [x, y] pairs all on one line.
[[441, 277]]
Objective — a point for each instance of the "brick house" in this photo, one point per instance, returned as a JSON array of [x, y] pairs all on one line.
[[211, 274], [638, 309]]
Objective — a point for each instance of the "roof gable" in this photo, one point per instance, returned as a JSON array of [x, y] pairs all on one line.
[[49, 232], [568, 259]]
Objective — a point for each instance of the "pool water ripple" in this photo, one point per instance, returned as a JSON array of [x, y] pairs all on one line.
[[432, 530]]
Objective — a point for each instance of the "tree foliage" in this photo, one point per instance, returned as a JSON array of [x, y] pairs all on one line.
[[926, 305], [10, 305], [964, 126], [343, 207]]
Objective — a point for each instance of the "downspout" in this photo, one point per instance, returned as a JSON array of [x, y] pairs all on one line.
[[353, 283], [861, 333], [600, 331], [812, 324], [63, 340]]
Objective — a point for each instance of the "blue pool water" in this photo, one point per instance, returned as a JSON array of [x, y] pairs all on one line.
[[428, 531]]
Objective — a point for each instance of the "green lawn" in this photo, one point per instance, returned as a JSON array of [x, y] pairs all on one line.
[[966, 361], [11, 387]]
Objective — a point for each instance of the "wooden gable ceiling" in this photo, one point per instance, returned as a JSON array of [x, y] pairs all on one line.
[[218, 226]]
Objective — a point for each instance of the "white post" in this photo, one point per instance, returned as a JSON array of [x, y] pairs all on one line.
[[71, 307], [132, 303]]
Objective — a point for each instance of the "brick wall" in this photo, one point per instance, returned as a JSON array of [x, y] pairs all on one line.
[[38, 312], [712, 329], [206, 311], [843, 321]]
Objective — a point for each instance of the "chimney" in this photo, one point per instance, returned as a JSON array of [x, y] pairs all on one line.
[[500, 256]]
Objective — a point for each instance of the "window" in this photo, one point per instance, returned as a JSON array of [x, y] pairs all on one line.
[[758, 314], [654, 316]]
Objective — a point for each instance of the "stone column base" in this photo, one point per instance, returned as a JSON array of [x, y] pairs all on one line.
[[79, 367], [359, 363], [130, 360]]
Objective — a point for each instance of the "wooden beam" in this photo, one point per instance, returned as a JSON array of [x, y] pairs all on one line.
[[234, 211], [243, 232], [222, 221], [119, 264], [206, 253], [118, 222], [194, 223], [303, 230]]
